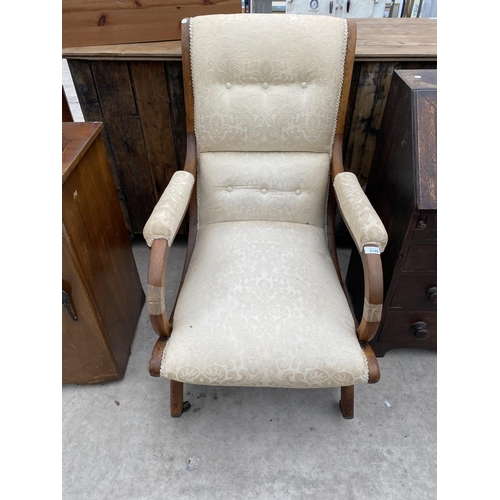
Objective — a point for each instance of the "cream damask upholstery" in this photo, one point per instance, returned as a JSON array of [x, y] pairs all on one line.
[[168, 213], [360, 217], [285, 187], [261, 303], [259, 87]]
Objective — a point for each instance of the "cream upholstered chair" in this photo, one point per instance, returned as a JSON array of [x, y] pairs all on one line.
[[261, 301]]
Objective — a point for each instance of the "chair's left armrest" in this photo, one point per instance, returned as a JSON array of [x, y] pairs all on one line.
[[370, 237], [169, 212], [159, 233]]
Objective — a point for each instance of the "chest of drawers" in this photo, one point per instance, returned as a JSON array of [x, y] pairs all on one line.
[[403, 190]]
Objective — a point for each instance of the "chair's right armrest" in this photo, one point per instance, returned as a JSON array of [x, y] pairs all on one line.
[[360, 217]]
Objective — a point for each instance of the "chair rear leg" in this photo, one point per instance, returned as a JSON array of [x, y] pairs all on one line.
[[347, 401], [177, 405]]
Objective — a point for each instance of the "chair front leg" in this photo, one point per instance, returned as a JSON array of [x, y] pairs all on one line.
[[177, 404], [347, 401]]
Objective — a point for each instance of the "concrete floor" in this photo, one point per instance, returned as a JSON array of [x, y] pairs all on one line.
[[119, 442]]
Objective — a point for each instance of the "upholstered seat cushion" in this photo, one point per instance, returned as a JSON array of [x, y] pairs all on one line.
[[261, 305]]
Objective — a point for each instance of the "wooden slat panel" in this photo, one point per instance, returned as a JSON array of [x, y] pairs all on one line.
[[129, 51], [176, 92], [151, 93], [378, 39], [122, 122], [396, 39], [102, 22], [371, 95], [350, 106], [86, 91]]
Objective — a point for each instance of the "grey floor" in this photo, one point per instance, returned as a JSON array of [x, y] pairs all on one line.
[[119, 441]]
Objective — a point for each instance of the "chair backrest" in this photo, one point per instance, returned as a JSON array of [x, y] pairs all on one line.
[[266, 94]]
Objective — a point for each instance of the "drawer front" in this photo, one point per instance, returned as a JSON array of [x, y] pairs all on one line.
[[410, 329], [416, 291], [421, 258]]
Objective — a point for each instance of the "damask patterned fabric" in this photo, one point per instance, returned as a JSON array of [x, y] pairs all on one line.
[[261, 305], [360, 217], [286, 187], [263, 84], [168, 213]]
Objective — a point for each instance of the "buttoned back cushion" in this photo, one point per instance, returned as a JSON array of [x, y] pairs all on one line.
[[285, 187], [266, 83]]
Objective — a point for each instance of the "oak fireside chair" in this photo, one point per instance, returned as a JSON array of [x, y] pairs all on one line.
[[261, 301]]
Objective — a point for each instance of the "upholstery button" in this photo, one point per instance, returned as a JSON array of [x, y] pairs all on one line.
[[298, 191], [228, 85], [229, 188], [303, 85], [264, 191], [265, 85]]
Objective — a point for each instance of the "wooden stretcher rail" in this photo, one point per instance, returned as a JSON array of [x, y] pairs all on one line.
[[378, 39]]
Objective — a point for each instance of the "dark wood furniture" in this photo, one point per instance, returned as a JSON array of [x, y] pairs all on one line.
[[402, 188], [101, 291], [136, 90]]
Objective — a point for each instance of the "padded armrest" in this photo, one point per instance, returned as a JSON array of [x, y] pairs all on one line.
[[363, 223], [168, 213]]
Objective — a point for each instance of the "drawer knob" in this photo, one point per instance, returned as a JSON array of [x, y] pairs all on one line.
[[419, 330], [432, 294]]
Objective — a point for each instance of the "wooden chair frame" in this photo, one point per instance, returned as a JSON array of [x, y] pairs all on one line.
[[372, 264]]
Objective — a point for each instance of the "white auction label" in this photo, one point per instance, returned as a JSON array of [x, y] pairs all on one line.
[[372, 250]]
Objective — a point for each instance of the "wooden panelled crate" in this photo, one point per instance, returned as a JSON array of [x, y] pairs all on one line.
[[137, 91], [141, 104]]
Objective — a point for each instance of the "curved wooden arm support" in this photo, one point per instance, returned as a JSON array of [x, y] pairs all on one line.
[[374, 296], [159, 256], [154, 364], [157, 266], [373, 368], [156, 288]]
